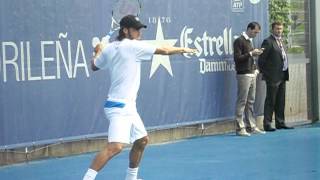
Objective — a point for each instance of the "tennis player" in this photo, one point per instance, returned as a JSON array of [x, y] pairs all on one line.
[[123, 60]]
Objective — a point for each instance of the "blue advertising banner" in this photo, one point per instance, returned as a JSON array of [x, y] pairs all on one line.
[[49, 93]]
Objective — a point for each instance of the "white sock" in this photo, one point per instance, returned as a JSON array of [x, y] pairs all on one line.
[[132, 174], [90, 175]]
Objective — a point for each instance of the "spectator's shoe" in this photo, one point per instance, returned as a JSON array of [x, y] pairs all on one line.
[[256, 130], [283, 126], [269, 128], [243, 132]]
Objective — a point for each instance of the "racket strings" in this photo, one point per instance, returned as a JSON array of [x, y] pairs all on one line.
[[120, 9], [125, 7]]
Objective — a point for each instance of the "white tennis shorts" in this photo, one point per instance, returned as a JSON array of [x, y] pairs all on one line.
[[125, 125]]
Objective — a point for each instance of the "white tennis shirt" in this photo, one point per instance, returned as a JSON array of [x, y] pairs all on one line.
[[123, 59]]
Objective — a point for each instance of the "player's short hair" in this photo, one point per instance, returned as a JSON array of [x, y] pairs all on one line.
[[277, 23], [253, 25]]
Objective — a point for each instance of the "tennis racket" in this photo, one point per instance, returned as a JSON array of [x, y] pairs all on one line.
[[120, 9]]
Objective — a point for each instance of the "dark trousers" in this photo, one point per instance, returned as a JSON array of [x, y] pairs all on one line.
[[275, 102]]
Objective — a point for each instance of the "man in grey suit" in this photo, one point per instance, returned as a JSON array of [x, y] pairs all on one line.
[[273, 64]]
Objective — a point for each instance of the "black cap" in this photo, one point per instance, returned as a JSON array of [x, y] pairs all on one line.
[[131, 21]]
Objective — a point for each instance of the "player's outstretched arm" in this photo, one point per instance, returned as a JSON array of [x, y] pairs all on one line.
[[169, 50]]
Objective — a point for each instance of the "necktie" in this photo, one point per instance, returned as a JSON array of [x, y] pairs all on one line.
[[284, 55]]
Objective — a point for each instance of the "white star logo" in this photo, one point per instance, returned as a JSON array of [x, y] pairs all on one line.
[[161, 59]]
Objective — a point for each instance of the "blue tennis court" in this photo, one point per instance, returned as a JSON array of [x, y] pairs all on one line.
[[282, 155]]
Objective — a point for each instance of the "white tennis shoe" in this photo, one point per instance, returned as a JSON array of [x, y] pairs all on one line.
[[243, 132], [257, 131]]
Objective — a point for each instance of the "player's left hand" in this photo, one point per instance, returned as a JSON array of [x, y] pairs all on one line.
[[190, 50]]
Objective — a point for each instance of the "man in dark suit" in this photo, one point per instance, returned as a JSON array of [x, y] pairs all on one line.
[[273, 64]]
